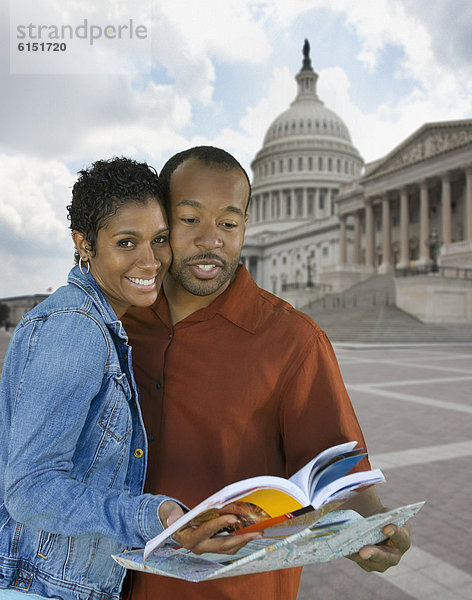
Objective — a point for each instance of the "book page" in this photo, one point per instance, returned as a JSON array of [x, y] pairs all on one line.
[[336, 469], [346, 486], [302, 476]]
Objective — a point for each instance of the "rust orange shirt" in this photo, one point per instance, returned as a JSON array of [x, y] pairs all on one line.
[[246, 386]]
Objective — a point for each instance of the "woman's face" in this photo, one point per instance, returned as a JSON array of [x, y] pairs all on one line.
[[132, 255]]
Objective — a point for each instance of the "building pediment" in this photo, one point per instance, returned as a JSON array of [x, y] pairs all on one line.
[[430, 140]]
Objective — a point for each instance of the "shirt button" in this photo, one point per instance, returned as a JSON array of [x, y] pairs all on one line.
[[158, 385], [138, 453]]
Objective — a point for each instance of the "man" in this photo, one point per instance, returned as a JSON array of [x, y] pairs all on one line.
[[235, 383]]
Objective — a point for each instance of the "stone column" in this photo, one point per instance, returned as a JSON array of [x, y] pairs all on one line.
[[468, 204], [404, 239], [259, 272], [446, 208], [342, 240], [369, 233], [357, 238], [386, 266], [424, 225]]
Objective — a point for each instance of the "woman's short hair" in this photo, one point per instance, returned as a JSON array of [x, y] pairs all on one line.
[[103, 188]]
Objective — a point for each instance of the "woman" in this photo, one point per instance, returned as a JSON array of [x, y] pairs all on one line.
[[73, 447]]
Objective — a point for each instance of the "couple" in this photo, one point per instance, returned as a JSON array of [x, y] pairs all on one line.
[[233, 383]]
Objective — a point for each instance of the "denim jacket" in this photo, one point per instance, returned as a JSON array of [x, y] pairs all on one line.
[[73, 450]]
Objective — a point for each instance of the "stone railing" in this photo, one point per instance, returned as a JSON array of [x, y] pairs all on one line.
[[307, 285], [440, 270]]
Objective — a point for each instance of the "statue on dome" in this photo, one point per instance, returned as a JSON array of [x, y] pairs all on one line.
[[306, 49], [306, 56]]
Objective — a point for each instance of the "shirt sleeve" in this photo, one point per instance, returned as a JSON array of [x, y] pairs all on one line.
[[53, 378], [316, 411]]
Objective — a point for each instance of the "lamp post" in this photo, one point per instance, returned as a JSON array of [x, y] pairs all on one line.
[[309, 282], [434, 245]]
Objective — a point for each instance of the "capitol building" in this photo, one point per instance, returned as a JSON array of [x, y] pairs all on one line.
[[320, 220]]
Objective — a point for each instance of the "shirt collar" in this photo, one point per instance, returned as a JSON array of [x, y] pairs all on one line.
[[238, 304], [88, 284]]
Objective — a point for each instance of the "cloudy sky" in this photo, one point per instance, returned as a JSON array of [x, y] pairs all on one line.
[[200, 72]]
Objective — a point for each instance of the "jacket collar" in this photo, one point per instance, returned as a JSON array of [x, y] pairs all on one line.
[[88, 284]]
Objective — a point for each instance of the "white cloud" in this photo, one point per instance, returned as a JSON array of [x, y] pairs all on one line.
[[227, 31], [450, 27], [54, 115], [377, 133], [284, 13], [75, 115], [281, 92], [36, 250]]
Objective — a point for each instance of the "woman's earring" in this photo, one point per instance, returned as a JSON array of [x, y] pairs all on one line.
[[81, 267]]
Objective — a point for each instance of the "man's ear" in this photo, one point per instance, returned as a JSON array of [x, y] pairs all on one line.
[[81, 244]]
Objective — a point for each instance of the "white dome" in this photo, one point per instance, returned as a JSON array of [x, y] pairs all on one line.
[[307, 117], [307, 154]]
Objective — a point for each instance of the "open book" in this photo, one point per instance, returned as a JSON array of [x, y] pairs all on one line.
[[267, 502]]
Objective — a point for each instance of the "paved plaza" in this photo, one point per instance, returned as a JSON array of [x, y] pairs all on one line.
[[414, 403], [415, 407]]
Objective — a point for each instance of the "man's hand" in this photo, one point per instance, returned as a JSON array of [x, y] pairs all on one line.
[[200, 539], [386, 554]]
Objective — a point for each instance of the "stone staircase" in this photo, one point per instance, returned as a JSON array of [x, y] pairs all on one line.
[[366, 313]]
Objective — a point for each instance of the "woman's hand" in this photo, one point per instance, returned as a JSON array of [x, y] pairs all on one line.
[[200, 539]]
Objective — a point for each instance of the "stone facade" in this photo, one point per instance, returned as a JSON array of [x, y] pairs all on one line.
[[411, 214], [413, 208], [435, 299]]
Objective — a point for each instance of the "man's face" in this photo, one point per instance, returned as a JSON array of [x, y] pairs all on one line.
[[207, 217]]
